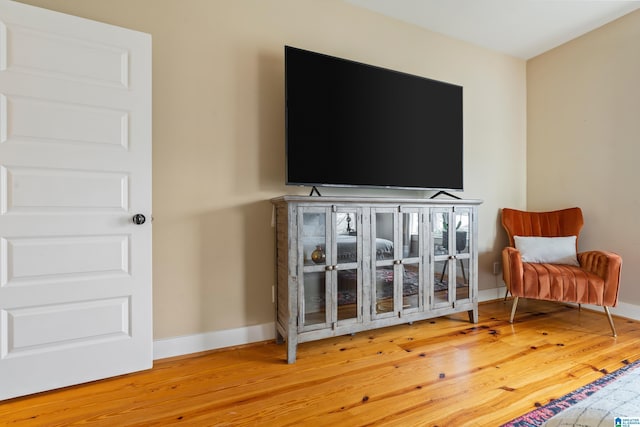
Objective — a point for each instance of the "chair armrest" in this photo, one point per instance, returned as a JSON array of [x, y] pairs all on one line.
[[607, 265], [512, 271]]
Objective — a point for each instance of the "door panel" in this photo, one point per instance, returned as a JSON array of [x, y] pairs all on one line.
[[43, 190], [30, 120], [75, 166], [51, 260], [40, 329], [30, 50]]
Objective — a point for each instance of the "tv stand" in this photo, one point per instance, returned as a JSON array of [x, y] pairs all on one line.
[[314, 189], [351, 264], [445, 193]]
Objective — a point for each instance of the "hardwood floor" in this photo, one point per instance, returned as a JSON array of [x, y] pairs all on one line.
[[440, 372]]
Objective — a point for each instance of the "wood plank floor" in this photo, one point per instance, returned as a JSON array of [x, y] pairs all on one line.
[[440, 372]]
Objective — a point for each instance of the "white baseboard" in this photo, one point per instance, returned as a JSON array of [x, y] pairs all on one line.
[[629, 311], [491, 294], [178, 346]]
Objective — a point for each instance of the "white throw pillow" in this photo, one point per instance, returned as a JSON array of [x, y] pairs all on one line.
[[549, 250]]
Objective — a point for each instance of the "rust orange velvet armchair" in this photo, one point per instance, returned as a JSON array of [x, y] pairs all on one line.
[[593, 280]]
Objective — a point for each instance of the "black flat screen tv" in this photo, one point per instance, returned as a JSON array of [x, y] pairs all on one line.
[[352, 124]]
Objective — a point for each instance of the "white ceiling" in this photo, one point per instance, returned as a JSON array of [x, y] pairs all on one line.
[[521, 28]]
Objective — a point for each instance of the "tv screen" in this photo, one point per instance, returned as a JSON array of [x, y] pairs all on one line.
[[352, 124]]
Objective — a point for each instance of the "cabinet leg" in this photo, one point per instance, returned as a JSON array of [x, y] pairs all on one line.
[[292, 347], [473, 315]]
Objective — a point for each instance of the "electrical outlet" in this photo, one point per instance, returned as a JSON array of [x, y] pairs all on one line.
[[496, 268]]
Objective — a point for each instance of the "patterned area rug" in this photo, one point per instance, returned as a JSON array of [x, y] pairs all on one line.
[[347, 279], [599, 403]]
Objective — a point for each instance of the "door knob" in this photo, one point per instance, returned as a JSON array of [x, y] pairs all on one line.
[[139, 219]]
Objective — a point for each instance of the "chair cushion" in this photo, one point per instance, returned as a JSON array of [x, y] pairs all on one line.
[[551, 250], [558, 282]]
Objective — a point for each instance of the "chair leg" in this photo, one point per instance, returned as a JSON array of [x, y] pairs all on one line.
[[513, 310], [506, 294], [464, 275], [444, 267], [613, 328]]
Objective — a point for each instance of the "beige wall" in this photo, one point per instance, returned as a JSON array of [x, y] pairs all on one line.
[[584, 138], [218, 136]]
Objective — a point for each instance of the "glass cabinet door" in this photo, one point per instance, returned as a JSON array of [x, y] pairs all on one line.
[[450, 236], [384, 225], [440, 219], [314, 292], [397, 261], [410, 266], [348, 247], [331, 288], [462, 220]]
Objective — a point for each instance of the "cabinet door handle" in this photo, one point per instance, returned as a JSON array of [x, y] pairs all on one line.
[[397, 262]]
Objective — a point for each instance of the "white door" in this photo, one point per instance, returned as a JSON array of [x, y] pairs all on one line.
[[75, 167]]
